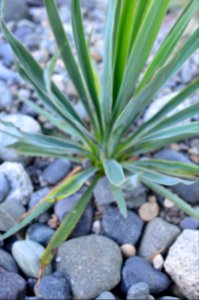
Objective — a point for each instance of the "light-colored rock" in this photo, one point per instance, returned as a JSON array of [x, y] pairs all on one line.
[[20, 183], [149, 210], [128, 250], [158, 262], [182, 263], [93, 264], [5, 97]]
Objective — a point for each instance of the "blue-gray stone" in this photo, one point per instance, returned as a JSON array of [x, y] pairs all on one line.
[[56, 171], [4, 187], [12, 286], [189, 223], [7, 262], [138, 291], [37, 196], [106, 296], [40, 233]]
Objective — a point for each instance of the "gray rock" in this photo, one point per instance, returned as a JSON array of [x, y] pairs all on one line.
[[189, 223], [92, 263], [103, 193], [9, 214], [27, 255], [16, 10], [169, 298], [37, 196], [138, 269], [187, 193], [120, 229], [12, 286], [138, 291], [106, 296], [20, 183], [136, 197], [54, 286], [56, 171], [6, 54], [24, 123], [40, 233], [5, 97], [7, 262], [4, 187], [158, 236], [8, 74], [182, 263]]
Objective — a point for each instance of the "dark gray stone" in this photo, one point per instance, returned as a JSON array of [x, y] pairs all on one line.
[[7, 262], [120, 229], [56, 171], [189, 223], [4, 187], [12, 286], [40, 233], [54, 286], [138, 291], [138, 269]]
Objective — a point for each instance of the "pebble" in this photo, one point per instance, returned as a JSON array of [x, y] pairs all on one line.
[[122, 230], [8, 74], [93, 264], [7, 262], [149, 210], [9, 214], [5, 97], [20, 183], [12, 286], [169, 298], [136, 197], [106, 296], [158, 262], [38, 196], [4, 187], [6, 54], [182, 263], [56, 171], [189, 223], [27, 255], [24, 123], [54, 286], [138, 269], [16, 10], [168, 203], [158, 236], [128, 250], [138, 291], [40, 233], [103, 192]]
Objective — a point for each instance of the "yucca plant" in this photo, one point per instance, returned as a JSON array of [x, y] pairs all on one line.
[[113, 104]]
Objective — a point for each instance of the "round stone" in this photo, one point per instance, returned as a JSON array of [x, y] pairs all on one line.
[[149, 211], [128, 250]]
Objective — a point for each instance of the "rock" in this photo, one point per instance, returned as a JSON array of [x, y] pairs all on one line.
[[24, 123], [189, 194], [27, 255], [103, 193], [4, 187], [20, 183], [6, 54], [169, 298], [7, 262], [149, 210], [106, 296], [158, 262], [138, 269], [9, 214], [16, 10], [12, 286], [92, 263], [158, 236], [37, 196], [120, 229], [168, 203], [128, 250], [8, 74], [182, 263], [189, 223], [56, 171], [138, 291], [5, 97], [136, 197], [54, 286], [40, 233]]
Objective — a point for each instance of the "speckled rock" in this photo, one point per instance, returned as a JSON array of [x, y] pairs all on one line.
[[92, 263], [12, 286], [182, 263]]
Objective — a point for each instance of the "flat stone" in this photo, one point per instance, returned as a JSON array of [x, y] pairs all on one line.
[[40, 233], [9, 214], [56, 171], [182, 263], [120, 229], [12, 286], [92, 263], [7, 262], [138, 291], [158, 236]]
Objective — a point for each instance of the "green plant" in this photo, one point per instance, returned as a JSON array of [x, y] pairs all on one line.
[[113, 105]]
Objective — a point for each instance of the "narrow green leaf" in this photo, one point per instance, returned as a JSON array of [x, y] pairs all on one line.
[[114, 172], [120, 200]]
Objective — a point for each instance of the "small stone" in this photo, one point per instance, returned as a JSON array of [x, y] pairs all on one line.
[[189, 223], [121, 230], [12, 286], [158, 262], [7, 262], [92, 263], [168, 203], [169, 298], [9, 214], [8, 74], [136, 197], [4, 187], [103, 192], [158, 236], [138, 291], [182, 263], [40, 233], [56, 171], [27, 255], [6, 54], [96, 228], [149, 210], [128, 250], [16, 10], [54, 286], [20, 184], [138, 269], [5, 97], [106, 296], [38, 196]]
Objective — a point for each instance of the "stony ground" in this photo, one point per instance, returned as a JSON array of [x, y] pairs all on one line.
[[152, 254]]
